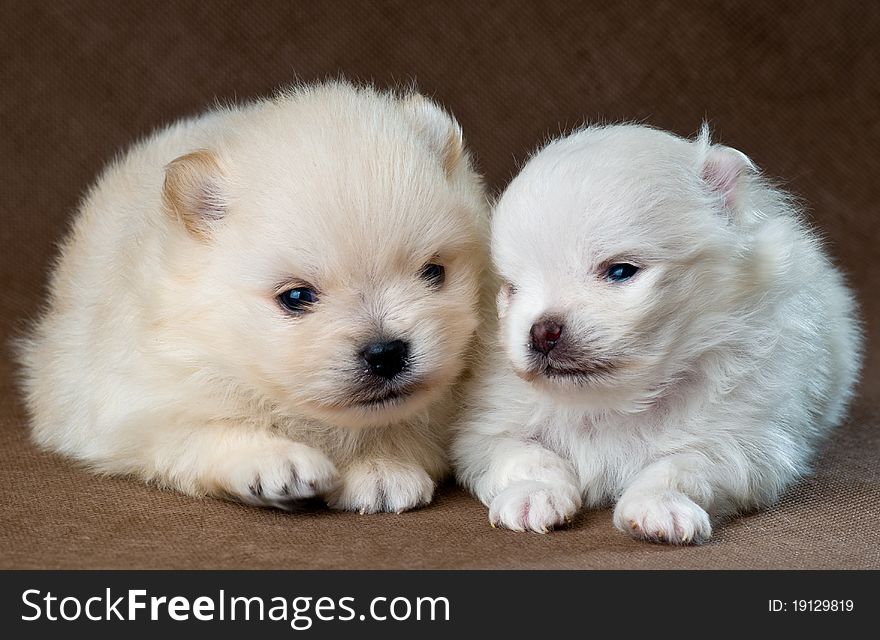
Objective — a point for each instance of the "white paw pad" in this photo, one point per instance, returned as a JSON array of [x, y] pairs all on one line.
[[670, 517], [373, 487], [534, 506], [284, 477]]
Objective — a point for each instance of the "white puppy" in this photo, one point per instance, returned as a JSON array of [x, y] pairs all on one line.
[[270, 302], [673, 339]]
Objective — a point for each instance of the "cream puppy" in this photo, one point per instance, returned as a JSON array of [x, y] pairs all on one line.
[[673, 339], [269, 303]]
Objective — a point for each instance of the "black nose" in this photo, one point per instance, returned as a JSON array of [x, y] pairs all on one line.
[[386, 359], [545, 335]]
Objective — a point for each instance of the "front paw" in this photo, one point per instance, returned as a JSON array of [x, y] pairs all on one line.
[[534, 506], [665, 516], [282, 476], [375, 486]]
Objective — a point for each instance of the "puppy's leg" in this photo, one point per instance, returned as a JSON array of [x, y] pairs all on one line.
[[251, 465], [392, 472], [668, 501], [374, 485], [526, 486]]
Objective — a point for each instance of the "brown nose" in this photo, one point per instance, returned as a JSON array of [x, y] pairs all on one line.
[[544, 335]]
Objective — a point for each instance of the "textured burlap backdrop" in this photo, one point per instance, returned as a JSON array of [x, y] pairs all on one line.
[[794, 85]]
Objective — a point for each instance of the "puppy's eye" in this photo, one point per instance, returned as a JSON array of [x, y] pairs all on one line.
[[509, 288], [620, 272], [433, 274], [298, 300]]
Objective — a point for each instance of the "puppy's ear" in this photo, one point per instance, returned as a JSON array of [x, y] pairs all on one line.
[[440, 129], [195, 191], [724, 169]]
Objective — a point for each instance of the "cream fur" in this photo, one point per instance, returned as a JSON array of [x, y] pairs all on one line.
[[707, 379], [163, 352]]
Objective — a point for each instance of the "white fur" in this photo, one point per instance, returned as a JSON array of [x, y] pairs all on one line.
[[163, 352], [727, 357]]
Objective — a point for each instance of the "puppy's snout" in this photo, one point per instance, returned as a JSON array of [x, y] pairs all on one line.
[[386, 359], [544, 335]]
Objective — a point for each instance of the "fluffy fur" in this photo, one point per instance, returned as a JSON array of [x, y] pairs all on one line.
[[697, 388], [164, 352]]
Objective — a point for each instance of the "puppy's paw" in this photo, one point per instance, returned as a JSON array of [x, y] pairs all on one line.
[[667, 516], [374, 486], [282, 476], [534, 506]]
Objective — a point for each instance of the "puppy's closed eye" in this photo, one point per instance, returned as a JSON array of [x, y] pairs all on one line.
[[502, 300], [434, 274]]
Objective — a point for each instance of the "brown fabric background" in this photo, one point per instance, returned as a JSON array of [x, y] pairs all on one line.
[[793, 84]]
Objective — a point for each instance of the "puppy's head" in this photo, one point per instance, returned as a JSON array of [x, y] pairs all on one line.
[[621, 252], [334, 247]]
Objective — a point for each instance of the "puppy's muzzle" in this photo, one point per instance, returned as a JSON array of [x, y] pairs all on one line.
[[386, 359], [544, 336], [555, 355]]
